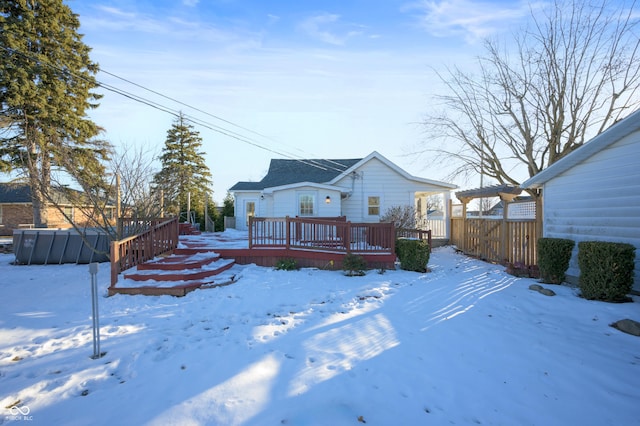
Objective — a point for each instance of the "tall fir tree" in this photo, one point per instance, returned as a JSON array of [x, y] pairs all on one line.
[[184, 173], [46, 83]]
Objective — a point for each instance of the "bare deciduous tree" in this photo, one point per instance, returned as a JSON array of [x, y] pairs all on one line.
[[575, 71], [136, 169]]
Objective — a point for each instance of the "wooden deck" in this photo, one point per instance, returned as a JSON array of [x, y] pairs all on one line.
[[319, 243]]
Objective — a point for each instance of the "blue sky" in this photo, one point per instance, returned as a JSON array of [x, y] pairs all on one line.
[[301, 79]]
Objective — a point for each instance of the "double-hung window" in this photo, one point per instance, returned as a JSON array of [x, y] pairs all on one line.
[[373, 206], [306, 204]]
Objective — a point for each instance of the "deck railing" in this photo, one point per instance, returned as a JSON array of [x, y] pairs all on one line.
[[416, 234], [160, 238], [336, 235]]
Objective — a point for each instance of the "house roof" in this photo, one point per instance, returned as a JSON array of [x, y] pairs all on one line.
[[20, 192], [15, 193], [613, 134], [285, 172], [289, 172]]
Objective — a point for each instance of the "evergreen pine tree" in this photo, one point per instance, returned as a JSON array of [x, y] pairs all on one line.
[[183, 170], [226, 211], [46, 78]]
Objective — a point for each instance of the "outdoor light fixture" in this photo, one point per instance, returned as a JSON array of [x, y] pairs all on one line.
[[327, 200]]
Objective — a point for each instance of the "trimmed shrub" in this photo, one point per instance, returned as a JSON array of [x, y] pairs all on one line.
[[354, 265], [413, 254], [286, 265], [553, 259], [606, 270]]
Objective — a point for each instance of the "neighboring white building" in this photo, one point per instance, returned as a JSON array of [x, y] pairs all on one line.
[[593, 194], [360, 189]]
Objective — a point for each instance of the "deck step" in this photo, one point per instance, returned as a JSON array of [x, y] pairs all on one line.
[[174, 288], [191, 274], [188, 229], [178, 262]]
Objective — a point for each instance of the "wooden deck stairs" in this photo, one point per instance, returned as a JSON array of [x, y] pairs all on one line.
[[188, 229], [176, 274]]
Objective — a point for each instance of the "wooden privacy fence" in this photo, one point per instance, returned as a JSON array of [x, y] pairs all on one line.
[[502, 240], [336, 234], [160, 238], [496, 240]]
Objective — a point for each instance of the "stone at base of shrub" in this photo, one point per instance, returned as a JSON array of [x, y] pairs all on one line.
[[628, 326]]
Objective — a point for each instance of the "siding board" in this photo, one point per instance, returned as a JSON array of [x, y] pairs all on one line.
[[598, 199]]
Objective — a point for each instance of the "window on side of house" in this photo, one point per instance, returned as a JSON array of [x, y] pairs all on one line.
[[68, 214], [306, 204], [373, 206], [250, 210]]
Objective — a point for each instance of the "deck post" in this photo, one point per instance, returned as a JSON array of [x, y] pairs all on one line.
[[287, 232], [250, 231], [115, 259], [347, 237]]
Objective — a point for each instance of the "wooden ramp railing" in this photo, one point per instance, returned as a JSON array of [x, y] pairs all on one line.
[[159, 239], [336, 235]]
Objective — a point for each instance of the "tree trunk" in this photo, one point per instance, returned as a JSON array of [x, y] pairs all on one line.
[[40, 180]]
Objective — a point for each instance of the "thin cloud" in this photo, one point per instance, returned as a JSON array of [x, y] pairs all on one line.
[[468, 19], [329, 28], [180, 28]]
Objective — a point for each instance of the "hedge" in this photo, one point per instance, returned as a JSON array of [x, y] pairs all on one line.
[[553, 259], [413, 254], [606, 270]]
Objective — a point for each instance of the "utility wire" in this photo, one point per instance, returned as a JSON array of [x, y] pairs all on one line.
[[205, 124], [166, 109]]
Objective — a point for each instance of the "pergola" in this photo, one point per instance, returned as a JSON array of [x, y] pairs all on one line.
[[503, 240], [505, 192]]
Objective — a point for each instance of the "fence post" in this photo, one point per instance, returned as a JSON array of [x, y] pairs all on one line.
[[505, 230], [464, 227]]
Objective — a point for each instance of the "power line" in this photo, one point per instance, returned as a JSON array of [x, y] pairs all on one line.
[[166, 109], [224, 131]]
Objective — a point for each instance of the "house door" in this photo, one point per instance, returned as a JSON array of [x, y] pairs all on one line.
[[249, 211]]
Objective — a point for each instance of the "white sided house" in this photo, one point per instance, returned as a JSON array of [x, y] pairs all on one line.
[[593, 194], [360, 189]]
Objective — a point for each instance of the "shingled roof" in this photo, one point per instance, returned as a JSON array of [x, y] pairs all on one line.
[[15, 193], [20, 192], [286, 172]]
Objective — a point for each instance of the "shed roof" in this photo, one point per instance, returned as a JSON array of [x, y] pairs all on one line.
[[613, 134]]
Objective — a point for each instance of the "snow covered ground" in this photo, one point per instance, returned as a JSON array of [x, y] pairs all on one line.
[[463, 344]]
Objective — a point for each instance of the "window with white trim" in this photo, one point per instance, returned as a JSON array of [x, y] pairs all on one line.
[[373, 206], [306, 204]]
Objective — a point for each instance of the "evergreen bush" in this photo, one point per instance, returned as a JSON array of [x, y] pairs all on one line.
[[606, 270], [354, 265], [553, 258], [413, 254], [286, 265]]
